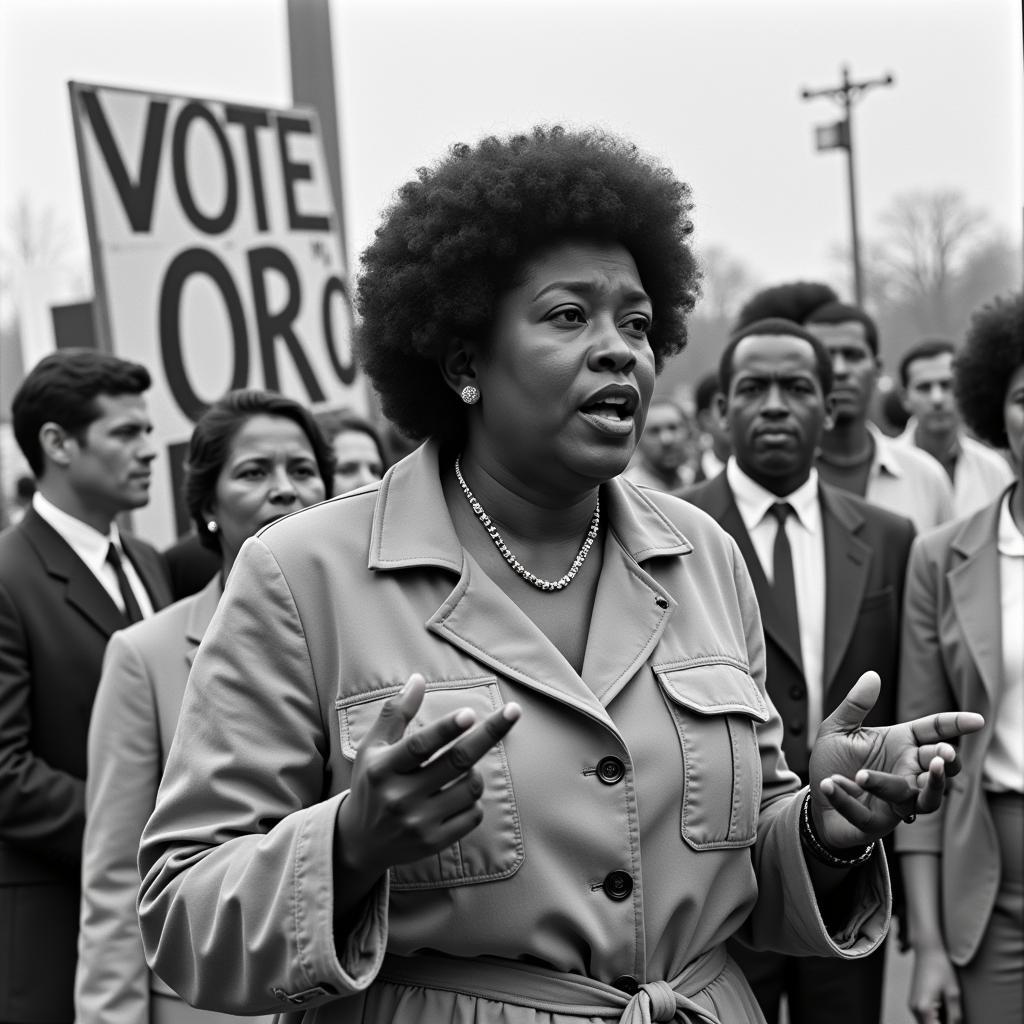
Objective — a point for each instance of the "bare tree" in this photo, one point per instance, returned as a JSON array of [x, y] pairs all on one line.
[[927, 242], [36, 238]]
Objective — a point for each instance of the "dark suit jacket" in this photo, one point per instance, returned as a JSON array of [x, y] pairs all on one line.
[[55, 621], [866, 552]]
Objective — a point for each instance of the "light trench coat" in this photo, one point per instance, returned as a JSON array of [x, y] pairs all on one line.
[[952, 658], [597, 874]]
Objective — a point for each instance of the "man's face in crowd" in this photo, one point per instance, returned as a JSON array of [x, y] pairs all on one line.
[[775, 410], [110, 461], [663, 445], [928, 395], [854, 367]]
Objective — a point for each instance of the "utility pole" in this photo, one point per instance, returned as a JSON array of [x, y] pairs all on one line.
[[840, 136]]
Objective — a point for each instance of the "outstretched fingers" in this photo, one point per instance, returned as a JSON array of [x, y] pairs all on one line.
[[947, 725], [465, 753], [907, 798]]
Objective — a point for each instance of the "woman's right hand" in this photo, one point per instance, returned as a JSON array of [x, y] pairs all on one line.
[[934, 989], [406, 801]]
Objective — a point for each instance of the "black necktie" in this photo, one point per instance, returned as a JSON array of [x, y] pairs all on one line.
[[132, 611], [783, 581]]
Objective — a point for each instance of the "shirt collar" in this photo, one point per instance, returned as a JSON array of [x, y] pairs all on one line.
[[885, 460], [87, 542], [753, 501], [1011, 541], [412, 526]]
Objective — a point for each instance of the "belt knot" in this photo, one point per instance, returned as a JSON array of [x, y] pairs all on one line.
[[662, 999]]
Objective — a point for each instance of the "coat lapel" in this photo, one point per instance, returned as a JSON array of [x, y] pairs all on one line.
[[847, 564], [721, 505], [631, 610], [479, 619], [974, 589], [200, 614], [81, 588]]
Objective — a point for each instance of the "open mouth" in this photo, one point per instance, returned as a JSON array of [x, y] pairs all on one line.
[[617, 409], [615, 403]]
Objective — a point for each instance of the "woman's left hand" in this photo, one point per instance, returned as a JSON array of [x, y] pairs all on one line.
[[866, 779]]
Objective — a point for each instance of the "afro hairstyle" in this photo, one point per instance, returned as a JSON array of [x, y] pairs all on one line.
[[456, 237], [992, 353], [794, 301]]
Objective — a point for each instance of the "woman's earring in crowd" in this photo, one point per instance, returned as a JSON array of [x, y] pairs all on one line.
[[470, 394], [212, 527]]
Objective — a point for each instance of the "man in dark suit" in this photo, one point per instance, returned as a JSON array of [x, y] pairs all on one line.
[[68, 580], [828, 570]]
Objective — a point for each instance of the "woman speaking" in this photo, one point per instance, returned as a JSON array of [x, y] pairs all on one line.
[[490, 742]]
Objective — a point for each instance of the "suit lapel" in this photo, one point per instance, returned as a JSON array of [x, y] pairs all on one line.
[[974, 589], [847, 564], [722, 507], [150, 569], [81, 588]]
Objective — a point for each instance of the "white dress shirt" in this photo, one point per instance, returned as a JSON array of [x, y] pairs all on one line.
[[91, 547], [807, 542], [1004, 762]]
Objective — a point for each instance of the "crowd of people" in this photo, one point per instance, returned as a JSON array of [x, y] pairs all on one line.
[[591, 707]]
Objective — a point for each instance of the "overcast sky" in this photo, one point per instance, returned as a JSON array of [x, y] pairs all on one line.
[[709, 86]]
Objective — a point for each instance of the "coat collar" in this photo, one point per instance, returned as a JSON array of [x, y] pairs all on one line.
[[412, 528], [974, 589]]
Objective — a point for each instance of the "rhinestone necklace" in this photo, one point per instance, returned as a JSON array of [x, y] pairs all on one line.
[[514, 562]]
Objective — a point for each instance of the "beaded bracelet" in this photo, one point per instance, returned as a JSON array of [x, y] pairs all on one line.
[[817, 849]]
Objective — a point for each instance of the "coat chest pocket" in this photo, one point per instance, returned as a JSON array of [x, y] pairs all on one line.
[[716, 707], [494, 849]]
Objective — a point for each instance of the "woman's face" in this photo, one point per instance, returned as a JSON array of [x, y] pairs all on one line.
[[567, 374], [357, 461], [270, 471], [1013, 418]]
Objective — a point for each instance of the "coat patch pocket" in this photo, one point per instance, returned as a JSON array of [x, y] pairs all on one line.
[[716, 706], [494, 849]]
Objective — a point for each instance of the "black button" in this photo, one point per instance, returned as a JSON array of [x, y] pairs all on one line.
[[627, 983], [610, 770], [796, 726], [796, 692], [661, 602], [618, 885]]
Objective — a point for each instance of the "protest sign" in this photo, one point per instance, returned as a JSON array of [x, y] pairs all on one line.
[[216, 257]]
